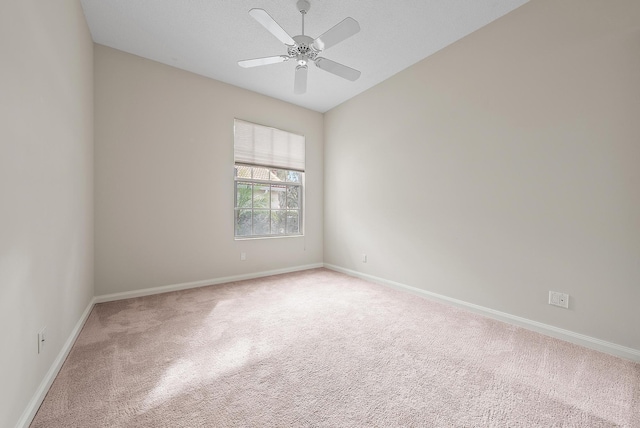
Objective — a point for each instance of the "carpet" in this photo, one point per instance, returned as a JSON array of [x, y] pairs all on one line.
[[321, 349]]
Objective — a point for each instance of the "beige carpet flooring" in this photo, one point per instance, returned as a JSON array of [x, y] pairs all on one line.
[[321, 349]]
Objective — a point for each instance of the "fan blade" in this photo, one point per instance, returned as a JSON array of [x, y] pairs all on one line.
[[338, 69], [300, 84], [262, 61], [345, 29], [271, 25]]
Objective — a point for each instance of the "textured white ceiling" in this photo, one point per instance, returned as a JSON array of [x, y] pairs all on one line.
[[209, 37]]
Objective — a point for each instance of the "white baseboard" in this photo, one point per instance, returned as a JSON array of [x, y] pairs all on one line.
[[202, 283], [43, 388], [548, 330]]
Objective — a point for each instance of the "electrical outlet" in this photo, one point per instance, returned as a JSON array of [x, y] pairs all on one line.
[[42, 335], [559, 299], [364, 258], [243, 256]]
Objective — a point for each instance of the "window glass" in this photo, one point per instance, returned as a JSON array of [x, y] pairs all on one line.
[[292, 222], [279, 174], [243, 195], [260, 173], [278, 196], [278, 222], [261, 222], [293, 197], [269, 203], [261, 195], [243, 171], [243, 222], [294, 176]]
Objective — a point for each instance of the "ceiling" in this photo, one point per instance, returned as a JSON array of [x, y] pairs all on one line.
[[209, 37]]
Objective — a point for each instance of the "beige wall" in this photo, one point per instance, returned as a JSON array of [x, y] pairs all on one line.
[[500, 168], [46, 188], [504, 166], [164, 177]]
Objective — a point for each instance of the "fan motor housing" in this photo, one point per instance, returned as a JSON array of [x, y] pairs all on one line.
[[302, 48]]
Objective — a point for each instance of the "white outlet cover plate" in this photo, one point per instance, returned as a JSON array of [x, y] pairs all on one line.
[[41, 339], [559, 299]]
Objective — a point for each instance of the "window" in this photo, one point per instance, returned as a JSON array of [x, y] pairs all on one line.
[[269, 181]]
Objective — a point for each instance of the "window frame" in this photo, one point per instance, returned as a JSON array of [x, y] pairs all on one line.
[[258, 181]]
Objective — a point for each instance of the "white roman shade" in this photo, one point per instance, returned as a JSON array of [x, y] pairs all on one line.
[[264, 146]]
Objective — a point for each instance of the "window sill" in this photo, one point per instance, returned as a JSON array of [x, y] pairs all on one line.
[[254, 238]]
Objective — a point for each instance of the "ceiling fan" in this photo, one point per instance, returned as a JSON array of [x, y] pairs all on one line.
[[304, 49]]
